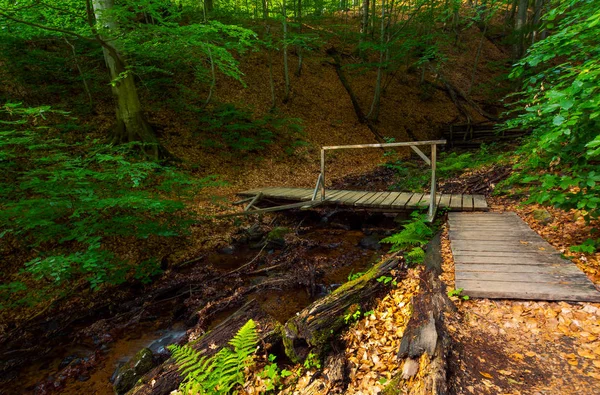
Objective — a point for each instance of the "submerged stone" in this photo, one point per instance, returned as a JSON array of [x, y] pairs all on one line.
[[131, 372]]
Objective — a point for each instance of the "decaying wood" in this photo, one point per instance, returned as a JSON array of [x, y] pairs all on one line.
[[362, 118], [165, 378], [316, 324], [426, 332], [333, 379]]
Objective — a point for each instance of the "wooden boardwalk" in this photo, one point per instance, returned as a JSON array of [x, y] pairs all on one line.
[[392, 201], [498, 256]]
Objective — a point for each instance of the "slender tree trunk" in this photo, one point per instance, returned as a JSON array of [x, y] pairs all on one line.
[[373, 12], [477, 58], [374, 112], [131, 123], [286, 72], [520, 24], [213, 82], [535, 23], [299, 48], [364, 25], [209, 5], [83, 79]]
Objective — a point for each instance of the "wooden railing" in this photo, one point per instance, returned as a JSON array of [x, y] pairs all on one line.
[[412, 144]]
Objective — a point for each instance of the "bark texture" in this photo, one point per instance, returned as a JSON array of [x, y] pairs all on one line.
[[426, 332], [314, 326]]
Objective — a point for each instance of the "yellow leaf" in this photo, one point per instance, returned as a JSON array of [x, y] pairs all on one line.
[[586, 354], [505, 372], [518, 356], [530, 354], [486, 375], [572, 362]]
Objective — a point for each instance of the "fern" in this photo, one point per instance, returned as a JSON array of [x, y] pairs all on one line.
[[416, 233], [220, 373], [416, 255]]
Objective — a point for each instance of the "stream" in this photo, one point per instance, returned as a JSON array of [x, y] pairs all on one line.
[[316, 250]]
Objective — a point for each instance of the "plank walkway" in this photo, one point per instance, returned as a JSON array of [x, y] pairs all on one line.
[[393, 201], [498, 256]]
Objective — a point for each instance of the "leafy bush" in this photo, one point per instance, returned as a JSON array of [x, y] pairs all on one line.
[[64, 199], [559, 165], [223, 371]]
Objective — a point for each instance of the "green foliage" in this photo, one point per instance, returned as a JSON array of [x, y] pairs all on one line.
[[312, 361], [559, 165], [416, 233], [222, 372], [351, 317], [273, 375], [353, 276], [458, 293], [415, 256], [589, 246], [387, 280], [65, 200]]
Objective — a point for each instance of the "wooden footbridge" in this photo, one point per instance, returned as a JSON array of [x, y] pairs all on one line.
[[372, 200], [496, 254]]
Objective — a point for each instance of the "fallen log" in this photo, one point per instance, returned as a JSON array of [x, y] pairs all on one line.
[[426, 332], [316, 324], [165, 378]]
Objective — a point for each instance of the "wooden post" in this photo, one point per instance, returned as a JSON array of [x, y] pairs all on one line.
[[322, 174], [314, 196], [432, 195]]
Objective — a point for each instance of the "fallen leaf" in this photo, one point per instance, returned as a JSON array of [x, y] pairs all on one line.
[[486, 375]]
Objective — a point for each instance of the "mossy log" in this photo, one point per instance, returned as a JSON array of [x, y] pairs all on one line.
[[426, 331], [315, 325], [165, 378]]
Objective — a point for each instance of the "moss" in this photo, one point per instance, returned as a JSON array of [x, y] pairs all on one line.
[[369, 274], [278, 233], [392, 388], [288, 333]]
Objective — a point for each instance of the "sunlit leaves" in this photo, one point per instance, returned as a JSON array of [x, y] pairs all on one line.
[[561, 98]]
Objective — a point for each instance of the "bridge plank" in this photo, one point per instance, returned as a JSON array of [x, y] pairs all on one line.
[[497, 255], [365, 199], [401, 200]]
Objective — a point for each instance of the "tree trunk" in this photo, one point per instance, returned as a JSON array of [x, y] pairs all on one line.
[[299, 47], [83, 79], [286, 72], [520, 24], [165, 378], [131, 124], [315, 325], [426, 331], [535, 23], [364, 25], [337, 63], [374, 111]]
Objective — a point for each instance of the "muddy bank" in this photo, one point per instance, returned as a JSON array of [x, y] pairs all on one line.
[[284, 264]]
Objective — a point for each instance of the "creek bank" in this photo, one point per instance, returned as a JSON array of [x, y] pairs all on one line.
[[313, 260]]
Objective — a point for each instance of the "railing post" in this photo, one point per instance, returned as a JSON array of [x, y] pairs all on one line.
[[322, 174], [432, 195]]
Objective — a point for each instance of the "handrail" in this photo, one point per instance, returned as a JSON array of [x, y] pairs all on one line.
[[412, 144]]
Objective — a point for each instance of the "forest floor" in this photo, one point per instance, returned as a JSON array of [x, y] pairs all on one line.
[[497, 346], [500, 346]]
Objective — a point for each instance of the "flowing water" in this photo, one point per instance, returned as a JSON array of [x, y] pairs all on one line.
[[339, 249]]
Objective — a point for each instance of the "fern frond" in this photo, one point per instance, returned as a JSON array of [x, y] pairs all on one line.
[[222, 372]]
